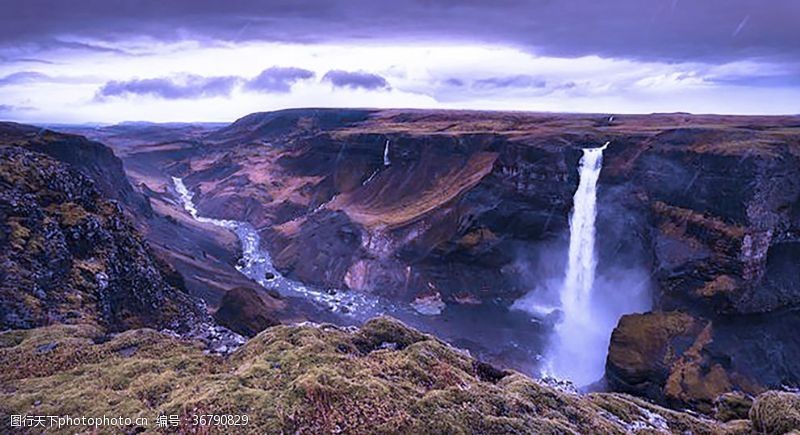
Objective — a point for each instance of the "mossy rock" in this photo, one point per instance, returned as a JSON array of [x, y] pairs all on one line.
[[776, 412], [385, 332], [732, 406]]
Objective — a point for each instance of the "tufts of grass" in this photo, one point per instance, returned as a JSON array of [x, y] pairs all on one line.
[[381, 378], [776, 412]]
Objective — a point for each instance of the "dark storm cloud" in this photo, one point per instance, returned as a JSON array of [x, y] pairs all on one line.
[[516, 81], [355, 80], [656, 29], [278, 79], [171, 88]]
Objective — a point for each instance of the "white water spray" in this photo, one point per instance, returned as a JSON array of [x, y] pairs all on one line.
[[386, 161], [590, 303], [579, 348], [577, 291]]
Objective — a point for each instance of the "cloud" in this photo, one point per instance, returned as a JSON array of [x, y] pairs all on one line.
[[455, 82], [23, 77], [278, 79], [32, 60], [516, 81], [27, 77], [80, 46], [355, 80], [171, 88], [11, 110], [653, 30], [191, 86]]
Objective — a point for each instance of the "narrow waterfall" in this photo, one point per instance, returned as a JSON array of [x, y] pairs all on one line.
[[579, 346], [386, 161]]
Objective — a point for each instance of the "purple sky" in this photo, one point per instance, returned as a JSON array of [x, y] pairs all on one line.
[[103, 60]]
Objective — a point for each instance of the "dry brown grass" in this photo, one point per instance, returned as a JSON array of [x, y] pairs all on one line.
[[376, 211]]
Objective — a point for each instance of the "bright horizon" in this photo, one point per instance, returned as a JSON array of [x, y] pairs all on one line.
[[198, 62]]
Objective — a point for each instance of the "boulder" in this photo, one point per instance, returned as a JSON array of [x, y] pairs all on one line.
[[686, 361], [643, 348], [248, 311]]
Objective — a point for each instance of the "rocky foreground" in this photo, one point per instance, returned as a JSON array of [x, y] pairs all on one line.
[[381, 378]]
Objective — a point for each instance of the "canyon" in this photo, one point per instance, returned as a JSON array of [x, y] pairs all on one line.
[[455, 222], [696, 215]]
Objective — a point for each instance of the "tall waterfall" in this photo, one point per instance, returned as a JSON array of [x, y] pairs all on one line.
[[579, 347]]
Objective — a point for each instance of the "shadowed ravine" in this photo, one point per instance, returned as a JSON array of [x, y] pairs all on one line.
[[491, 332], [257, 265]]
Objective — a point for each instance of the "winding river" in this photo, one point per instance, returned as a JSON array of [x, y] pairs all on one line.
[[489, 331], [256, 264]]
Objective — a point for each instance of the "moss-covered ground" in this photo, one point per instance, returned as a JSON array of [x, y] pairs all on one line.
[[381, 378]]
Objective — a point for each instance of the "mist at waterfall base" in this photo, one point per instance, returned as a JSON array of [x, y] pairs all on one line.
[[579, 291]]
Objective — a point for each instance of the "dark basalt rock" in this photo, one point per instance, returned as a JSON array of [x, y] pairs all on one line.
[[732, 406], [69, 255], [385, 333], [687, 361], [322, 253], [91, 158], [244, 310], [644, 348], [489, 373]]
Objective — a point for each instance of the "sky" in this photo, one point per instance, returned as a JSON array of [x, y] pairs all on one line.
[[108, 61]]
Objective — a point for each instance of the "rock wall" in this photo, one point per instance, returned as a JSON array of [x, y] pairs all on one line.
[[70, 255], [724, 231]]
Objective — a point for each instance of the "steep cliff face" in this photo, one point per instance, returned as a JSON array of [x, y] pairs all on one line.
[[432, 205], [441, 211], [91, 158], [724, 230], [688, 361], [722, 205], [203, 255], [69, 254]]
